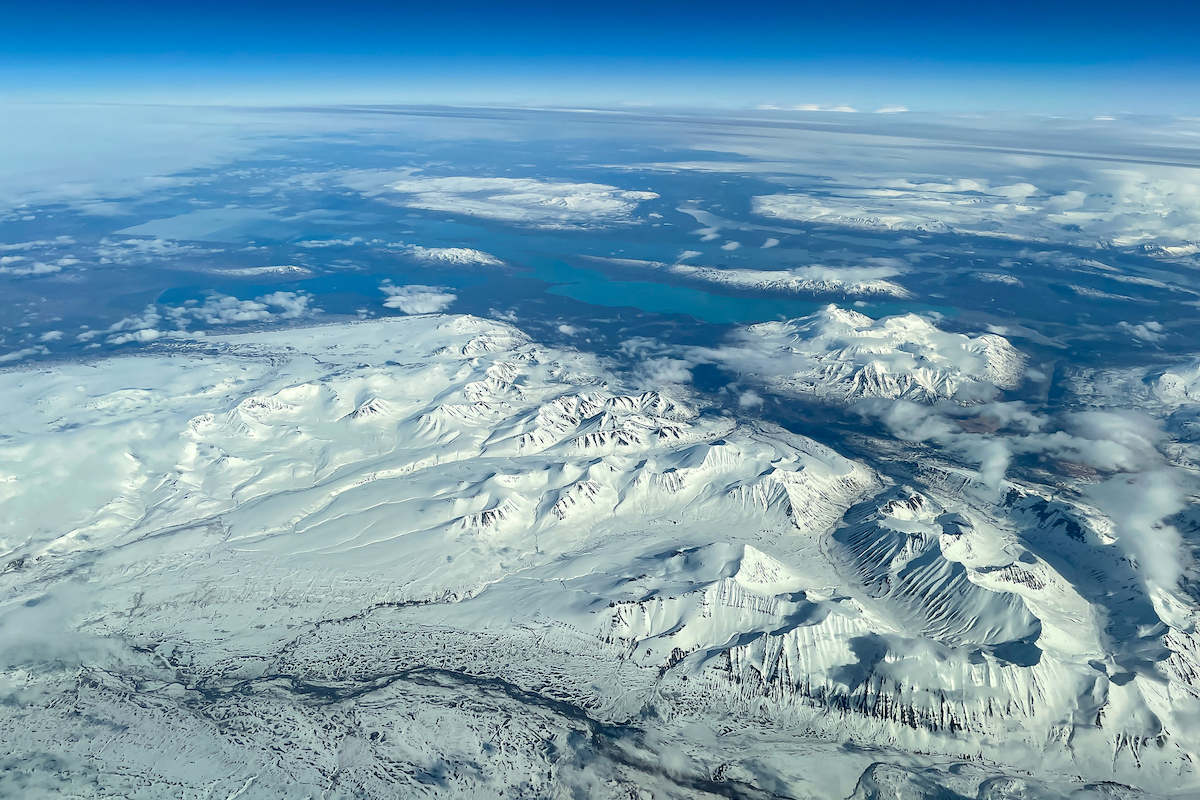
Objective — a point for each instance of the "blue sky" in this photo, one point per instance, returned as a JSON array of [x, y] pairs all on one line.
[[1074, 56]]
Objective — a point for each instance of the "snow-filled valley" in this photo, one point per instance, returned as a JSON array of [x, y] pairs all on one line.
[[428, 556]]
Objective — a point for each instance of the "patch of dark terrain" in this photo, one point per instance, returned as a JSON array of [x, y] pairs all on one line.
[[623, 744]]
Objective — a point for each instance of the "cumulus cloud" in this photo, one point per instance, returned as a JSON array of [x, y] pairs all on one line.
[[38, 244], [291, 305], [141, 336], [731, 245], [126, 252], [750, 399], [26, 352], [655, 373], [227, 310], [36, 268], [417, 299], [542, 204], [216, 309], [770, 242], [1149, 331]]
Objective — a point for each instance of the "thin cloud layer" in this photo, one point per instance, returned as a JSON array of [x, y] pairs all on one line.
[[1135, 486]]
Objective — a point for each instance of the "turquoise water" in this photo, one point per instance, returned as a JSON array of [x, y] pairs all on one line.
[[595, 288], [535, 250], [660, 298]]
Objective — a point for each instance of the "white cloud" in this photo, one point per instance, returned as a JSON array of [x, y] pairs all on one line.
[[526, 201], [291, 305], [731, 245], [140, 251], [50, 336], [17, 355], [1139, 489], [140, 336], [1149, 331], [656, 373], [1137, 505], [39, 244], [219, 310], [37, 268], [770, 242], [750, 399], [216, 309], [417, 299], [48, 262]]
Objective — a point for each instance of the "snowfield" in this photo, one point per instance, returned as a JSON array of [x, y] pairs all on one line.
[[540, 204], [841, 355], [1155, 211], [427, 556]]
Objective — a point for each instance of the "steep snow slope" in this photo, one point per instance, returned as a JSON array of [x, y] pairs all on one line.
[[841, 355], [428, 557], [811, 279]]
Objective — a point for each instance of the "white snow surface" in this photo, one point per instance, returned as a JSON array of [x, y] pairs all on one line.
[[465, 256], [813, 278], [842, 355], [1157, 210], [540, 204], [427, 556]]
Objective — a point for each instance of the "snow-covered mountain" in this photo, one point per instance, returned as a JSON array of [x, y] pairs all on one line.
[[428, 556], [841, 355], [464, 256], [859, 281]]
